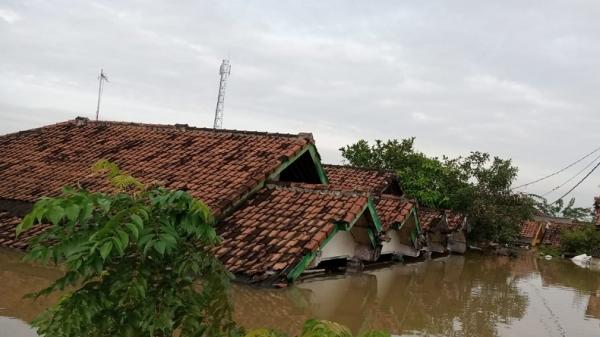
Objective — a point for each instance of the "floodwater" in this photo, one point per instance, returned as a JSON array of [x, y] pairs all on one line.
[[453, 296]]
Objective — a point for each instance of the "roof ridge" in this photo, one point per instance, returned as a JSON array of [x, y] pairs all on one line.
[[318, 188], [359, 168], [177, 127]]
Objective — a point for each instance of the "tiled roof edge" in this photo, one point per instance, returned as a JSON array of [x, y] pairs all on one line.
[[180, 127], [317, 188], [358, 168]]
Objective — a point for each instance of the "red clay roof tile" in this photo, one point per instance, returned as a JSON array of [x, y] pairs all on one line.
[[362, 179], [8, 226], [393, 210], [553, 231], [428, 218], [304, 230], [216, 166]]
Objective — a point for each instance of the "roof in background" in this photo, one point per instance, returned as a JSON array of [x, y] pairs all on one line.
[[361, 179], [216, 166], [270, 233], [455, 220], [393, 210], [553, 230], [530, 228], [429, 218]]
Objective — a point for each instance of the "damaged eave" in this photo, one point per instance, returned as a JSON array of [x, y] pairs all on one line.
[[340, 226]]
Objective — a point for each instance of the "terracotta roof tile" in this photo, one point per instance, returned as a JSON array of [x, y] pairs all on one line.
[[428, 218], [361, 179], [456, 220], [8, 226], [530, 228], [216, 166], [393, 210], [268, 254], [553, 231]]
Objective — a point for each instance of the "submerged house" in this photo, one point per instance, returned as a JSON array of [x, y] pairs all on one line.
[[553, 230], [401, 232], [435, 227], [457, 231], [531, 234], [284, 230], [269, 192]]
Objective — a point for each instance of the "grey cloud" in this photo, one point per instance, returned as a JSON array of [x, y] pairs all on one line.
[[517, 79]]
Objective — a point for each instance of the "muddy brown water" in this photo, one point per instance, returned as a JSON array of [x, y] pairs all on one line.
[[453, 296]]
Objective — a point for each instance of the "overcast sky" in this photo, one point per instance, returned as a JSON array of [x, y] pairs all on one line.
[[518, 79]]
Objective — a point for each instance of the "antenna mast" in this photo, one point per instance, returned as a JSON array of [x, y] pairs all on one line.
[[225, 70], [101, 79]]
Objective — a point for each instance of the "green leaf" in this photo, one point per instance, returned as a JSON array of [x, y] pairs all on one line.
[[105, 249], [133, 229], [104, 204], [25, 224], [160, 246], [72, 212], [123, 237], [138, 221], [168, 239], [55, 214]]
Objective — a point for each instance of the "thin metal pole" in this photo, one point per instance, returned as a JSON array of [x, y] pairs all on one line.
[[100, 78]]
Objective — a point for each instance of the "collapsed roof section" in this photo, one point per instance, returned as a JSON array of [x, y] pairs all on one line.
[[220, 167], [282, 230], [363, 179]]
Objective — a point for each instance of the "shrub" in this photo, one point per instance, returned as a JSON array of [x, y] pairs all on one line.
[[582, 240]]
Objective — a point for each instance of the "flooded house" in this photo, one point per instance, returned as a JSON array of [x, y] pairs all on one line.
[[285, 230], [553, 230], [435, 227], [531, 233], [401, 232], [269, 192], [457, 231]]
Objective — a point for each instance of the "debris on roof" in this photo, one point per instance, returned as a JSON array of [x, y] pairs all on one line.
[[217, 166], [274, 231], [363, 179]]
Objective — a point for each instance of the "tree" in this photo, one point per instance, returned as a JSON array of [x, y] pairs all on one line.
[[138, 262], [559, 209], [477, 185]]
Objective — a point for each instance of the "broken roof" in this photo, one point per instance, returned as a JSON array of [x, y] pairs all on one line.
[[530, 228], [363, 179], [553, 231], [217, 166], [393, 210], [456, 221], [272, 232], [429, 218]]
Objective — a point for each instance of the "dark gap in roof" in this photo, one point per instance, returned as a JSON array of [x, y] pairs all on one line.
[[393, 189], [303, 170]]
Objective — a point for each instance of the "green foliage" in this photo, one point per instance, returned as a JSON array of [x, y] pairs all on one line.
[[478, 185], [376, 334], [582, 240], [549, 250], [321, 328], [559, 209], [264, 333], [137, 262]]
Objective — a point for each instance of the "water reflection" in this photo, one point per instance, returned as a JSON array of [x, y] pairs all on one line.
[[452, 296]]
